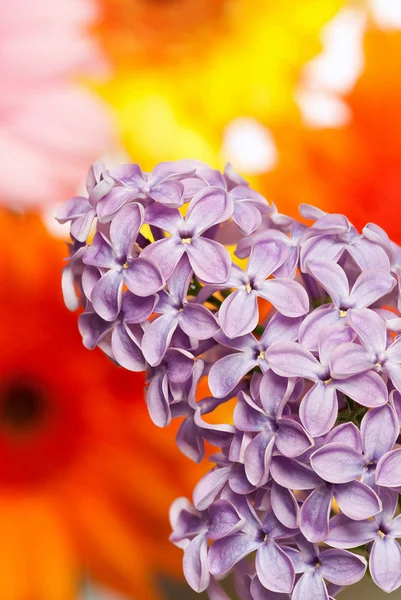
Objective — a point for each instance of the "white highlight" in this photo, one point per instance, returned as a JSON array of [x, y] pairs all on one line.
[[54, 227], [320, 109], [249, 146], [386, 13]]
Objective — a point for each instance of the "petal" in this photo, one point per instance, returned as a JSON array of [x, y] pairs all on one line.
[[90, 277], [374, 423], [347, 533], [179, 281], [99, 253], [274, 568], [169, 193], [247, 415], [247, 217], [75, 207], [190, 441], [92, 328], [385, 564], [112, 202], [311, 585], [337, 463], [342, 567], [137, 309], [318, 409], [165, 254], [349, 359], [291, 438], [210, 260], [388, 471], [315, 513], [331, 338], [223, 519], [257, 458], [371, 285], [331, 277], [157, 400], [227, 552], [195, 565], [292, 474], [228, 371], [347, 434], [172, 169], [81, 227], [157, 337], [106, 295], [239, 313], [197, 321], [368, 255], [180, 365], [143, 277], [266, 257], [274, 393], [286, 295], [370, 327], [368, 389], [394, 351], [394, 370], [284, 506], [280, 329], [290, 359], [163, 217], [259, 592], [209, 487], [316, 322], [357, 500], [316, 247], [125, 227], [125, 350], [208, 207]]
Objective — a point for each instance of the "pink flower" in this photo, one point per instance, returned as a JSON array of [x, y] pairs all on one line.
[[50, 126]]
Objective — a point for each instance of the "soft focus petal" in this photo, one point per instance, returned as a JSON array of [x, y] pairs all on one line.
[[280, 329], [195, 563], [347, 434], [125, 227], [337, 463], [125, 350], [385, 564], [247, 217], [106, 295], [92, 328], [157, 400], [170, 193], [208, 207], [99, 253], [179, 281]]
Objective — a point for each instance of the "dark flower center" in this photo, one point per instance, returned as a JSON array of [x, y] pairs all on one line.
[[22, 406]]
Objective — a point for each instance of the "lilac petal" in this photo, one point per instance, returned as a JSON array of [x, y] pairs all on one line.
[[395, 401], [368, 255], [274, 393], [195, 564], [165, 253], [180, 365], [311, 585], [349, 359], [75, 207], [106, 295], [172, 169], [239, 313], [111, 203], [216, 592], [227, 552], [247, 217], [286, 295], [292, 474], [143, 277], [170, 193], [99, 253], [257, 458], [226, 373], [290, 359], [331, 277], [291, 438], [190, 441], [315, 513], [90, 277], [370, 327], [284, 506], [208, 207], [347, 434], [316, 322], [357, 500], [332, 337], [198, 322], [81, 227], [394, 370], [274, 568], [389, 499], [157, 400], [342, 567], [92, 328], [125, 227], [316, 247], [209, 487], [337, 463], [210, 260], [266, 257], [247, 415], [394, 351], [280, 329], [163, 217], [385, 563], [374, 423], [318, 409], [125, 350], [157, 337], [388, 471], [179, 281], [371, 285], [224, 520], [368, 389], [137, 309], [259, 592], [347, 533]]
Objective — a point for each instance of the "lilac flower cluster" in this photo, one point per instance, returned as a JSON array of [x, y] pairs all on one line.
[[300, 331]]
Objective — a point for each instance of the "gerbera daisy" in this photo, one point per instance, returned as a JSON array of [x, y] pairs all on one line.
[[85, 484]]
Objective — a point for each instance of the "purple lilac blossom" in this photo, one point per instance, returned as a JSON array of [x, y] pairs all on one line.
[[289, 368]]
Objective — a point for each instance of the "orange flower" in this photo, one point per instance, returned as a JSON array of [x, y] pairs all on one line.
[[85, 478], [355, 169]]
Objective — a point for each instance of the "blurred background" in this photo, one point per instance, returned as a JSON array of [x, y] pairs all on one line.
[[303, 97]]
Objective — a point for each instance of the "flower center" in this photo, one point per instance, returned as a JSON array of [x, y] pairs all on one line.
[[318, 565], [266, 537], [22, 407], [126, 265], [327, 381], [343, 313], [261, 354], [186, 240], [248, 288], [382, 535]]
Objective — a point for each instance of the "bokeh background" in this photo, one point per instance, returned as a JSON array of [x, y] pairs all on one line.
[[303, 97]]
